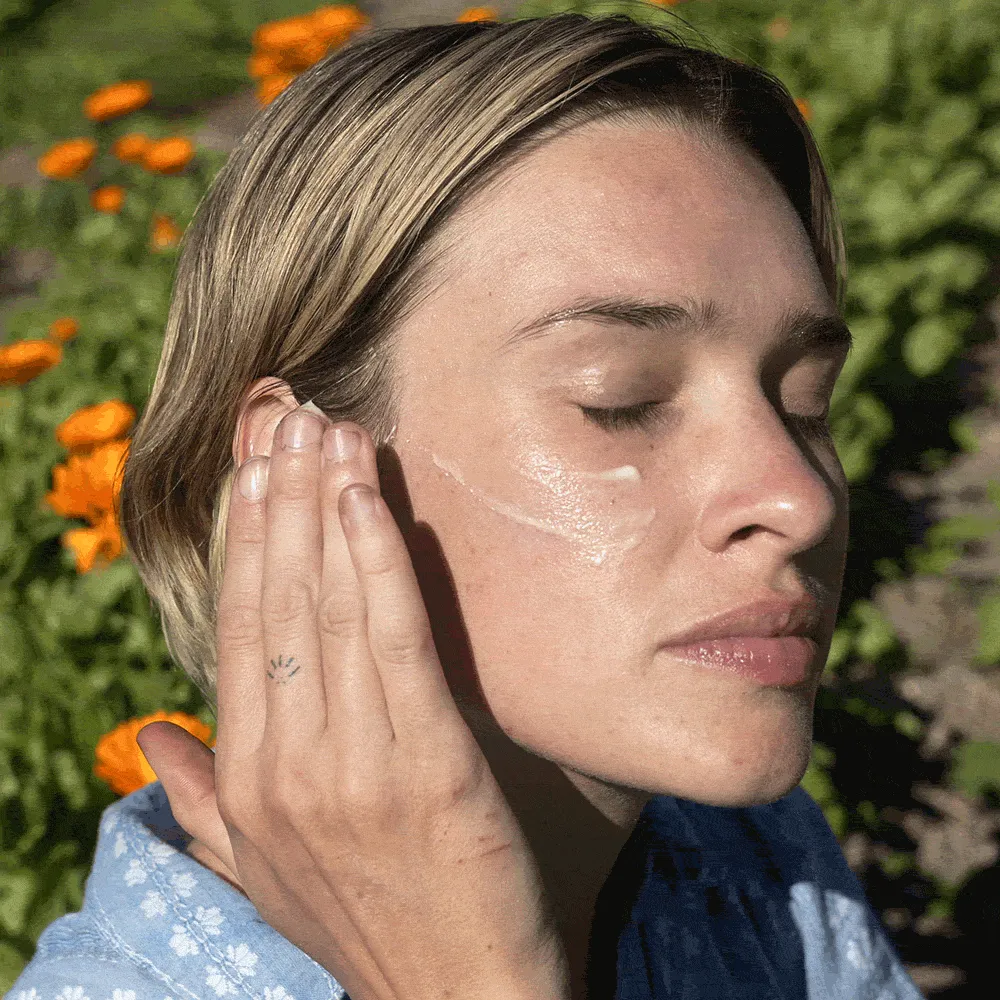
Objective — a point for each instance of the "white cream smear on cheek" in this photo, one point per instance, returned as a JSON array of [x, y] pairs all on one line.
[[595, 536]]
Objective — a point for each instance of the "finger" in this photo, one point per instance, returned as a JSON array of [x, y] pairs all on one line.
[[357, 715], [186, 768], [421, 707], [240, 693], [293, 548]]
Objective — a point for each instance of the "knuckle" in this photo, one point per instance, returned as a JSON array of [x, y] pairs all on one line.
[[292, 601], [401, 644], [238, 624], [339, 617]]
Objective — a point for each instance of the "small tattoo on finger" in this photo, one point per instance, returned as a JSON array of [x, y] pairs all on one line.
[[282, 670]]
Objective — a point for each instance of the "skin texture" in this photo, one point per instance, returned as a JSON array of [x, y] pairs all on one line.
[[590, 719]]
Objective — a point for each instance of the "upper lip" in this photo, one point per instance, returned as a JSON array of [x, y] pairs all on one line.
[[765, 618]]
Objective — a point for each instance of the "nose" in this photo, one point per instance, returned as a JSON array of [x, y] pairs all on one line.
[[765, 476]]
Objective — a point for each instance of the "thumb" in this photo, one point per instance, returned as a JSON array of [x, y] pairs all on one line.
[[186, 768]]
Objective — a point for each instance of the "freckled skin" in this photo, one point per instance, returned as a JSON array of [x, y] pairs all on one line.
[[565, 651]]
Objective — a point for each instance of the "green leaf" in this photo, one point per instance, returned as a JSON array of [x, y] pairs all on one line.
[[929, 345], [17, 889], [975, 768]]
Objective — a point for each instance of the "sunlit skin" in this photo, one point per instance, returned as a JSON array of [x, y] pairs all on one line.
[[744, 501]]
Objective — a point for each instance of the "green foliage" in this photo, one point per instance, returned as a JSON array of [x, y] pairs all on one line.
[[910, 133], [976, 768]]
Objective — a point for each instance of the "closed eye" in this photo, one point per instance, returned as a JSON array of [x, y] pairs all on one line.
[[622, 418]]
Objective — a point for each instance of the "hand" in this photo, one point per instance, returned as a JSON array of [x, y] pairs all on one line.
[[346, 795]]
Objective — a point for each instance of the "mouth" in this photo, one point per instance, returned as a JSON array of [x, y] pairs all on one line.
[[772, 640]]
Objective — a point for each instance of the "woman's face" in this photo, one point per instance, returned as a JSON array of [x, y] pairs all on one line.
[[576, 550]]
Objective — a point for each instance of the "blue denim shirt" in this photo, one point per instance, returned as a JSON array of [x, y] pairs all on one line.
[[703, 902]]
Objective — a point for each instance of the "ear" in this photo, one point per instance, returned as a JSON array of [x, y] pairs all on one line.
[[264, 404]]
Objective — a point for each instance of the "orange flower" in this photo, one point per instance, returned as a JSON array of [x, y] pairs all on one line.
[[22, 361], [88, 485], [288, 33], [119, 759], [336, 24], [131, 148], [805, 108], [168, 156], [93, 425], [476, 14], [109, 198], [165, 233], [66, 160], [102, 541], [63, 329], [117, 99], [269, 88], [262, 64]]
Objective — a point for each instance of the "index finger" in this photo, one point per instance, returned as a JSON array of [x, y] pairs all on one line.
[[240, 692]]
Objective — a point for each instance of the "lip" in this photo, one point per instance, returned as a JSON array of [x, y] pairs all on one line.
[[771, 641]]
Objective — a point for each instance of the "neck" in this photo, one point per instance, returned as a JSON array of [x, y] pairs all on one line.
[[577, 826]]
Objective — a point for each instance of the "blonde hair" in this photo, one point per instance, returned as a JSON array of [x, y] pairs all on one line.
[[323, 232]]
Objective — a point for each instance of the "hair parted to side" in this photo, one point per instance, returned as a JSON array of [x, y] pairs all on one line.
[[323, 232]]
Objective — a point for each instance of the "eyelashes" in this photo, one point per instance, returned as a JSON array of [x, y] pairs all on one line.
[[642, 415]]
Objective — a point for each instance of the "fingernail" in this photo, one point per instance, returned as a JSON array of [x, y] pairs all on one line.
[[343, 444], [252, 478], [300, 430]]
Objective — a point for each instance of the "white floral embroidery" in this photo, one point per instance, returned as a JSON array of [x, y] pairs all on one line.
[[136, 873], [153, 905], [243, 958], [109, 823], [119, 844], [183, 883], [123, 995], [209, 919], [182, 942], [853, 934], [278, 993], [162, 853], [31, 994], [72, 993], [218, 981]]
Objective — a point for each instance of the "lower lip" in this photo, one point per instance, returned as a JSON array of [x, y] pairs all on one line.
[[778, 661]]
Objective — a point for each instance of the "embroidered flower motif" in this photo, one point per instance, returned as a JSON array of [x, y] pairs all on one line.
[[123, 995], [31, 994], [119, 844], [848, 922], [109, 824], [217, 980], [182, 942], [243, 958], [278, 993], [72, 993], [210, 919], [162, 853], [136, 873], [183, 883], [153, 905]]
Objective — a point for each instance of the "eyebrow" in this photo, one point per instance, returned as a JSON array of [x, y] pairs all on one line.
[[798, 328]]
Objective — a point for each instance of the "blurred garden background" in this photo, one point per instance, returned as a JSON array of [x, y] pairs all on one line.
[[114, 117]]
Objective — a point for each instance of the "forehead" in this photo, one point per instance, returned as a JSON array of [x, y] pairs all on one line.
[[613, 210]]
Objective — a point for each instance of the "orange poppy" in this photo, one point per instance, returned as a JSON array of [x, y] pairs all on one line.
[[805, 108], [109, 198], [120, 761], [101, 541], [93, 425], [117, 99], [476, 14], [164, 233], [22, 361], [287, 33], [262, 64], [66, 160], [131, 148], [335, 24], [63, 329], [168, 156]]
